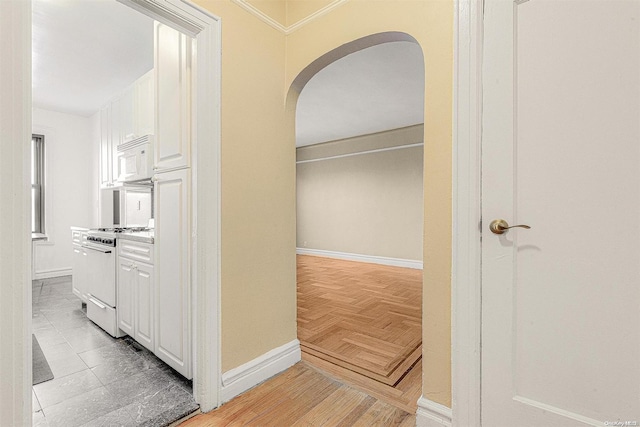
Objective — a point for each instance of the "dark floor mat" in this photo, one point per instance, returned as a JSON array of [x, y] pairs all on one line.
[[41, 370]]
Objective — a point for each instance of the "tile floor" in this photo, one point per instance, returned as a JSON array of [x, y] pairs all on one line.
[[98, 380]]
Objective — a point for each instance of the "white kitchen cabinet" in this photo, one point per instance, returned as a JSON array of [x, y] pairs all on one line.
[[80, 272], [126, 112], [128, 116], [136, 288], [144, 105], [144, 316], [172, 78], [106, 147], [126, 295], [172, 249]]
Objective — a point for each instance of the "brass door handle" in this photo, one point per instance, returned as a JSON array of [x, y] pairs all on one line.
[[499, 226]]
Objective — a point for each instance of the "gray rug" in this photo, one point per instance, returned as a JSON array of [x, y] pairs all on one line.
[[41, 370]]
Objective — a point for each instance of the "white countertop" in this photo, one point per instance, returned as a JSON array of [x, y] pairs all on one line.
[[137, 236], [79, 228]]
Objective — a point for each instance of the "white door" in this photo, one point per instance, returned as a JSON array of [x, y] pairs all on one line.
[[561, 153]]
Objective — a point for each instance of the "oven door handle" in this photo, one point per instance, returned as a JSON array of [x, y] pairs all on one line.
[[96, 302], [96, 249]]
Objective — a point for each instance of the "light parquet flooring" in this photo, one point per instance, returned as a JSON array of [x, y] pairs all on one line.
[[303, 396], [361, 323]]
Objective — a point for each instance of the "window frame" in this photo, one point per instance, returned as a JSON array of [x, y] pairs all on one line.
[[38, 164]]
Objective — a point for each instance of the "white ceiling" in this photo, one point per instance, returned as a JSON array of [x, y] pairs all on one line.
[[85, 51], [369, 91]]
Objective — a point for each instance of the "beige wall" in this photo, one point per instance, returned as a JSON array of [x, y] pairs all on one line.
[[430, 22], [368, 203], [259, 65], [258, 296]]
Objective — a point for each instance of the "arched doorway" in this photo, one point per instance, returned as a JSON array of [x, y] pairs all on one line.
[[359, 113]]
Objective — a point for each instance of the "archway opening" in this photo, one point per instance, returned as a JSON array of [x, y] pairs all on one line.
[[359, 114]]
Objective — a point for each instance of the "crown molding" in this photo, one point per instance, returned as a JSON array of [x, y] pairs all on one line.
[[286, 30]]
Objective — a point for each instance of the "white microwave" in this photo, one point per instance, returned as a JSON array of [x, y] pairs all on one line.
[[135, 159]]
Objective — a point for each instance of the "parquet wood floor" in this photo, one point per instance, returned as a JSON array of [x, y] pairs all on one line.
[[303, 396], [362, 317]]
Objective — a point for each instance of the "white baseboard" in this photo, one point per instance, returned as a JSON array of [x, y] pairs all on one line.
[[396, 262], [240, 379], [48, 274], [432, 414]]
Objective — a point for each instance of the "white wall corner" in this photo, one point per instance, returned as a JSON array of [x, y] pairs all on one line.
[[244, 377], [395, 262], [432, 414]]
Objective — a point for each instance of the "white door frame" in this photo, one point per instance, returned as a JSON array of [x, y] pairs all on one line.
[[205, 28], [15, 252], [15, 126], [466, 221]]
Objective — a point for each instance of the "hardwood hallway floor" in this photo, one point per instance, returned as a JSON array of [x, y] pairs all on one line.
[[361, 323], [303, 396]]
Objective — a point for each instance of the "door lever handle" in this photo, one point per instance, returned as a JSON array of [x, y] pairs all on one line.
[[499, 226]]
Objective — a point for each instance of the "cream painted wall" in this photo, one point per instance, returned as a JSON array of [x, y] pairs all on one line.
[[366, 204], [69, 184], [431, 24], [259, 65], [258, 296]]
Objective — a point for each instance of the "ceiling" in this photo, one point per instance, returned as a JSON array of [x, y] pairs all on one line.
[[372, 90], [85, 51]]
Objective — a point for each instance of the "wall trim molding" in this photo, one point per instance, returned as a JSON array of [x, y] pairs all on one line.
[[466, 250], [238, 380], [54, 272], [286, 30], [377, 150], [432, 414], [372, 259]]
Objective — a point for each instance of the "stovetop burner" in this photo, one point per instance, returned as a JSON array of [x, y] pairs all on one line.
[[124, 229]]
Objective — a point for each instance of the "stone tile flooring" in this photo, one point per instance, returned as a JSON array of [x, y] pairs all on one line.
[[98, 380]]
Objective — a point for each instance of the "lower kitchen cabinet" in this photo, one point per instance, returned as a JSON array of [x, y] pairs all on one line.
[[173, 282], [79, 277], [135, 299], [80, 272], [144, 316]]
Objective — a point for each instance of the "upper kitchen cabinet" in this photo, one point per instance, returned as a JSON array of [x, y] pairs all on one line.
[[109, 134], [137, 109], [127, 116], [144, 105], [172, 72]]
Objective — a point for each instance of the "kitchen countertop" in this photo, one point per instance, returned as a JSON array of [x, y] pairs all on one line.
[[137, 236], [74, 228]]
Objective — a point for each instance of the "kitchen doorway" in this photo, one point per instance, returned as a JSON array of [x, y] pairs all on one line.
[[204, 28]]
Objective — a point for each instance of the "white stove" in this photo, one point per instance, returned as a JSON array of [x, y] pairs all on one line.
[[101, 293]]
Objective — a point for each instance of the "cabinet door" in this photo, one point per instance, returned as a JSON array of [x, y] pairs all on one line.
[[172, 247], [126, 295], [126, 111], [79, 277], [105, 146], [116, 134], [145, 110], [143, 325], [172, 78]]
